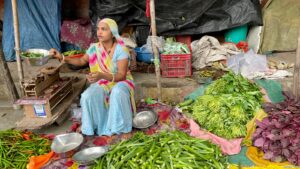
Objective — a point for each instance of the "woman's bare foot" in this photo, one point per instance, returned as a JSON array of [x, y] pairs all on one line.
[[78, 130]]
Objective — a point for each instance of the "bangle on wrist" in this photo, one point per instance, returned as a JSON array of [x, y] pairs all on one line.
[[63, 57], [113, 77]]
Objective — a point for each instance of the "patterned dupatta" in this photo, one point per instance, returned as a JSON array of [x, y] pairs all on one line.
[[100, 61]]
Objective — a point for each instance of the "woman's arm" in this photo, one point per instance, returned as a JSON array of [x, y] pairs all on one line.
[[84, 60], [73, 61], [119, 76], [122, 71]]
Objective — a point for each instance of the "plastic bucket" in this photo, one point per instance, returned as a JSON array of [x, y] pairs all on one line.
[[237, 34]]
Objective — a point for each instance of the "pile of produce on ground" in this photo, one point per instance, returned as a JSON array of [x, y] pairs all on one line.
[[163, 150], [16, 147], [278, 134], [232, 83], [73, 52], [227, 105], [186, 106]]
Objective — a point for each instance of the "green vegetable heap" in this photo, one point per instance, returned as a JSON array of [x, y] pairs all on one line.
[[164, 150], [227, 105], [16, 148]]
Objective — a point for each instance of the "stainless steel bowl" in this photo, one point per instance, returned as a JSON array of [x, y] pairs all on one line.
[[41, 51], [66, 142], [37, 61], [144, 119], [89, 155]]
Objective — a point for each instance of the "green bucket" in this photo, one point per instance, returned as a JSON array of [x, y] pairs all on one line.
[[236, 34]]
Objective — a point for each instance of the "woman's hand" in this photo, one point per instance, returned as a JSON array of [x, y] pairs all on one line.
[[94, 77], [55, 53]]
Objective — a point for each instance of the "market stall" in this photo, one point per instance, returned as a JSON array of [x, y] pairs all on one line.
[[231, 121]]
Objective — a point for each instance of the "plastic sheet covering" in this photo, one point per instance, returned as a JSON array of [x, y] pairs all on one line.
[[39, 25], [175, 17], [281, 26]]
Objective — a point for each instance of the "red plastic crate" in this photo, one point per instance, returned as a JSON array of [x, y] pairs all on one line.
[[187, 39], [176, 65]]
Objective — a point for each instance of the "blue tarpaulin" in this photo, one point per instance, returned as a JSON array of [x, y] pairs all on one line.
[[39, 25]]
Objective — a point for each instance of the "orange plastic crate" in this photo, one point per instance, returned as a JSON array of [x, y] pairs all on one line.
[[176, 65]]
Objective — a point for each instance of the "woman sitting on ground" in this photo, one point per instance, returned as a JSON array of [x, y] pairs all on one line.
[[108, 103]]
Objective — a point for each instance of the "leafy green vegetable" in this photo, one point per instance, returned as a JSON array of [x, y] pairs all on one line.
[[73, 52], [231, 83], [228, 104], [32, 55], [164, 150], [277, 135]]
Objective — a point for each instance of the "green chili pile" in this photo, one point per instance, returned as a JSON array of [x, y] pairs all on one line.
[[163, 150], [16, 147]]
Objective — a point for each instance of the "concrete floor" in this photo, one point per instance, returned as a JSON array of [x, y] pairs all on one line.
[[8, 117], [174, 89]]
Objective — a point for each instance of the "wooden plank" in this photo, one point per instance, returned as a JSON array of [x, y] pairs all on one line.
[[297, 69], [37, 123], [155, 50], [63, 117], [29, 111], [50, 79], [17, 41]]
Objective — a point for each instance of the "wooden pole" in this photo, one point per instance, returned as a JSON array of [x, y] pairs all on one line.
[[12, 91], [297, 69], [17, 40], [155, 50]]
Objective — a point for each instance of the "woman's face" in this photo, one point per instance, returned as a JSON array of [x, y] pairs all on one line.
[[103, 32]]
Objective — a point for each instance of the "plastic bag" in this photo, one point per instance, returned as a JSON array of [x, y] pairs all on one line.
[[248, 64], [176, 48], [173, 47], [129, 41], [76, 112], [208, 50], [157, 41]]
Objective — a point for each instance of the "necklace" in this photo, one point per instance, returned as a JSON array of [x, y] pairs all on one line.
[[109, 51]]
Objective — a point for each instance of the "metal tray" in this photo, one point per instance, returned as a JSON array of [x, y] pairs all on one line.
[[66, 142], [144, 119], [89, 155]]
